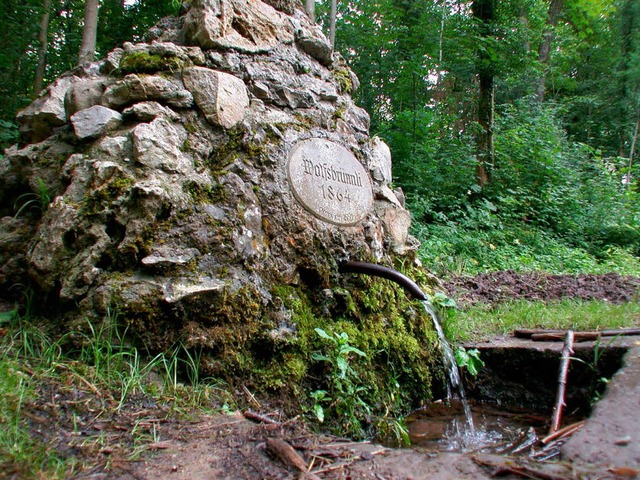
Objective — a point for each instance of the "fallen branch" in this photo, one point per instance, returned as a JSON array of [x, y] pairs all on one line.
[[557, 335], [563, 432], [256, 417], [525, 468], [286, 454], [567, 351], [347, 462], [527, 332]]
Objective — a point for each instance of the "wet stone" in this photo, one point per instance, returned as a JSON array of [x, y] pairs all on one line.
[[330, 182]]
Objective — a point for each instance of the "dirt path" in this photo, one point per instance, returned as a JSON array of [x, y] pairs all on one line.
[[234, 447], [231, 447]]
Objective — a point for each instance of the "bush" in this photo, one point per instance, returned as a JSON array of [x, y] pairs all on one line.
[[552, 204]]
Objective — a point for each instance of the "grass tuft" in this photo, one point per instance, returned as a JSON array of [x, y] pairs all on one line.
[[61, 405]]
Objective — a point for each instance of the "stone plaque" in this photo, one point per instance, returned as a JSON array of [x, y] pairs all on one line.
[[329, 181]]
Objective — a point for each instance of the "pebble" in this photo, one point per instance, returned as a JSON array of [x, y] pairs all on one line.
[[623, 441]]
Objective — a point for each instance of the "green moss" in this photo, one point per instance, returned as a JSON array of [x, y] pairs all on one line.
[[98, 200], [234, 332], [191, 127], [226, 152], [343, 78], [212, 194], [234, 147], [143, 62], [393, 331], [340, 112], [285, 372]]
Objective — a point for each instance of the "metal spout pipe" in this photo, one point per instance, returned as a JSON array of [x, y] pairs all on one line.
[[405, 282]]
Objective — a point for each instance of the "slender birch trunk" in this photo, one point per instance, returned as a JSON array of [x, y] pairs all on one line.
[[310, 7], [42, 51], [90, 32], [332, 27]]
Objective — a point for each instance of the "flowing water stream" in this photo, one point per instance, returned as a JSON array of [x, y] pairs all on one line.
[[458, 434], [441, 422], [454, 381]]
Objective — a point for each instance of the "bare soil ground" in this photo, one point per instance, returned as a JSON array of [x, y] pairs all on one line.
[[81, 423], [509, 285]]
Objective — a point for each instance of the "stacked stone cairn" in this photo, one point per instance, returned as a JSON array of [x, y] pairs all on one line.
[[154, 182]]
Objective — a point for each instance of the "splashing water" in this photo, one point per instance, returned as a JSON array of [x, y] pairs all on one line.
[[454, 381]]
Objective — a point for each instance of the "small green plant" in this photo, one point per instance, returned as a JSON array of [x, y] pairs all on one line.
[[393, 431], [344, 398], [6, 317], [469, 359], [599, 382], [9, 134], [441, 300], [33, 200]]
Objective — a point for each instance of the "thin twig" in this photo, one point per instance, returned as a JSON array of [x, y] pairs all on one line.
[[563, 432], [567, 351], [251, 397], [260, 418]]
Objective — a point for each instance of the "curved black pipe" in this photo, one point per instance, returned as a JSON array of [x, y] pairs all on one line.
[[405, 282]]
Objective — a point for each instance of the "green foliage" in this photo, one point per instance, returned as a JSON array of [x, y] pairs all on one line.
[[555, 200], [34, 201], [345, 397], [469, 359], [553, 205], [8, 134]]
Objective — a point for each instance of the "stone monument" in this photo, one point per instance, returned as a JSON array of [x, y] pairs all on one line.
[[188, 182]]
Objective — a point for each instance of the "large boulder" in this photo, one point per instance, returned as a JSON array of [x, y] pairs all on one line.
[[161, 186], [245, 25]]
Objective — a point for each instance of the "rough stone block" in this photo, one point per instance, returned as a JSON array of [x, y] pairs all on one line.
[[222, 97], [94, 121]]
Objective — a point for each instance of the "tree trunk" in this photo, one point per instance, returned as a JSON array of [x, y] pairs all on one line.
[[90, 32], [42, 51], [544, 50], [633, 148], [310, 7], [486, 108], [332, 28], [484, 11]]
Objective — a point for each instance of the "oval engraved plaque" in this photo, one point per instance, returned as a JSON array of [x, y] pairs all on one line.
[[329, 181]]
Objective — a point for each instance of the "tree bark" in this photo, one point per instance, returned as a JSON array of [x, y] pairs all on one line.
[[42, 51], [544, 50], [484, 11], [310, 7], [90, 32], [634, 140], [332, 28]]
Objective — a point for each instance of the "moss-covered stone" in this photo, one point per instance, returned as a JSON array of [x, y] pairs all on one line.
[[343, 78], [394, 332], [97, 200], [213, 194], [144, 62]]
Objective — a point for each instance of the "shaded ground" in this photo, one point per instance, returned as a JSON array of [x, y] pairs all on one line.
[[139, 442]]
